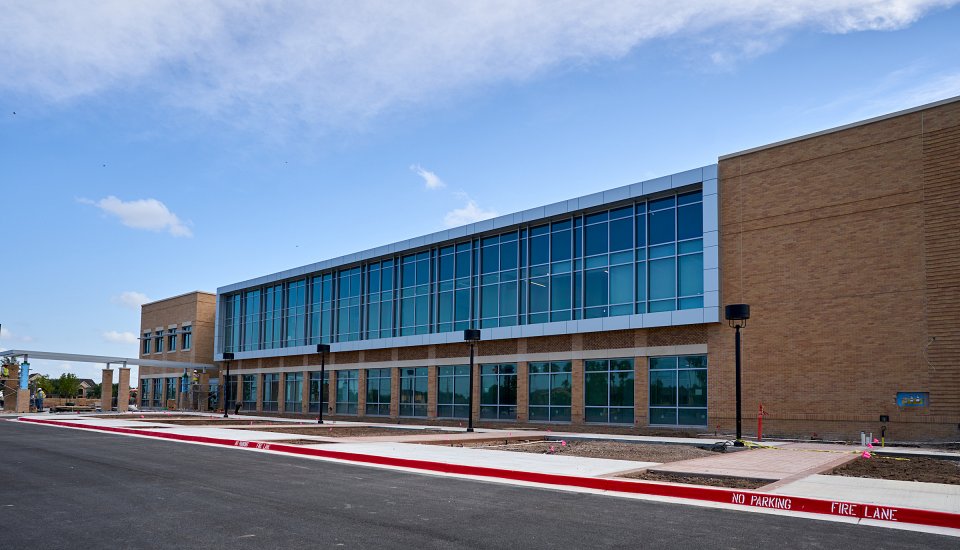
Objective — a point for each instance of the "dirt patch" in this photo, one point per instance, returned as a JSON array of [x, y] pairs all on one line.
[[146, 416], [352, 431], [217, 422], [616, 450], [929, 470], [728, 482], [297, 442]]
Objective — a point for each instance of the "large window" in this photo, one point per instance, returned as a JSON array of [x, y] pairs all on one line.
[[157, 393], [158, 341], [271, 392], [144, 392], [550, 384], [293, 392], [171, 390], [319, 393], [378, 392], [498, 391], [248, 389], [413, 391], [453, 391], [172, 339], [232, 390], [295, 323], [637, 257], [608, 390], [146, 343], [678, 390], [347, 396], [186, 335]]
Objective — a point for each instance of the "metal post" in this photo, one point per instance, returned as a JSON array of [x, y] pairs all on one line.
[[739, 441], [470, 407], [226, 385]]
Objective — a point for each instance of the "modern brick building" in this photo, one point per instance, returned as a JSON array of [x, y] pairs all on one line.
[[606, 310], [179, 329]]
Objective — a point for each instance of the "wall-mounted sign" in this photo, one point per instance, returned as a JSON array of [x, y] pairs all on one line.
[[913, 399]]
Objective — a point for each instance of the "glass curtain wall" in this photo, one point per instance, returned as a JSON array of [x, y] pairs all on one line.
[[293, 392], [608, 391], [453, 391], [271, 392], [378, 392], [498, 391], [678, 390], [319, 393], [413, 391], [642, 257], [550, 385], [347, 396]]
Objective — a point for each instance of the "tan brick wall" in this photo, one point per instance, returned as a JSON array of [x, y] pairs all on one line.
[[362, 392], [411, 353], [846, 247], [523, 391]]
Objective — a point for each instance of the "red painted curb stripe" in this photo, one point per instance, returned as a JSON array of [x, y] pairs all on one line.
[[728, 496]]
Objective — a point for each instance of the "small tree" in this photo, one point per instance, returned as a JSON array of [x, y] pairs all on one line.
[[68, 385], [46, 385]]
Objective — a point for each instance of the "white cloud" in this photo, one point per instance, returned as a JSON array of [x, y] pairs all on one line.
[[338, 63], [149, 214], [470, 213], [430, 180], [131, 299], [7, 336], [120, 337]]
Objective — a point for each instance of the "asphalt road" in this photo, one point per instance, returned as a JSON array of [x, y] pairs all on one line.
[[63, 488]]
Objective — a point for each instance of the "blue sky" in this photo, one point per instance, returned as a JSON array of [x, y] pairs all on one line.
[[162, 147]]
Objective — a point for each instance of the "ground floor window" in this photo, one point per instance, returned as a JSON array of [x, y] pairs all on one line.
[[347, 391], [608, 391], [498, 391], [550, 384], [293, 396], [213, 397], [232, 392], [271, 391], [319, 393], [171, 389], [248, 390], [378, 392], [453, 391], [157, 394], [678, 390], [413, 392], [144, 391]]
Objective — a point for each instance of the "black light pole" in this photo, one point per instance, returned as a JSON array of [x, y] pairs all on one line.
[[323, 350], [471, 336], [737, 315], [228, 356]]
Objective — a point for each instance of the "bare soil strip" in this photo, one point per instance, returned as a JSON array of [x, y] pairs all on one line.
[[207, 421], [615, 450], [297, 442], [712, 481], [352, 431], [929, 470]]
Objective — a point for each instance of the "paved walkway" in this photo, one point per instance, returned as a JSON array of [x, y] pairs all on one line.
[[767, 464]]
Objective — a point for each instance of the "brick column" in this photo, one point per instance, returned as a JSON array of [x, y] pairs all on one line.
[[640, 394], [260, 384], [23, 401], [361, 392], [576, 390], [282, 393], [123, 390], [203, 391], [10, 389], [305, 393], [106, 391], [332, 393], [394, 393], [475, 411], [523, 391], [432, 373]]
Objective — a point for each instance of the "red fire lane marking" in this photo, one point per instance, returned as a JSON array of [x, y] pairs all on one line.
[[756, 500]]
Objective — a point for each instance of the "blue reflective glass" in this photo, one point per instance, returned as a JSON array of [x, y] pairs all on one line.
[[690, 221], [463, 263], [508, 255], [508, 299], [560, 245], [691, 274], [488, 301], [660, 204], [662, 279], [539, 250], [662, 229], [539, 297], [596, 287], [446, 267], [595, 239], [490, 259], [689, 198], [560, 287], [621, 234], [621, 284], [596, 218]]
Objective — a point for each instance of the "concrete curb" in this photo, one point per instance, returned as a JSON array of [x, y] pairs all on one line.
[[748, 499]]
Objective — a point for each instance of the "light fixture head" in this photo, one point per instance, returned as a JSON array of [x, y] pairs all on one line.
[[323, 348], [228, 356], [471, 335], [737, 314]]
